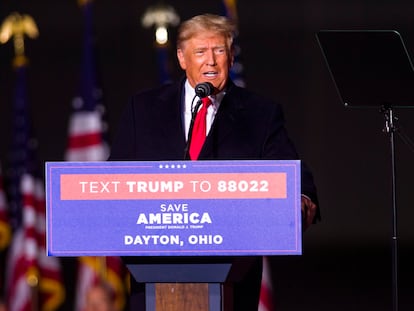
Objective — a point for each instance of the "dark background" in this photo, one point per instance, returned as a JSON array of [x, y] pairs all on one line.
[[346, 262]]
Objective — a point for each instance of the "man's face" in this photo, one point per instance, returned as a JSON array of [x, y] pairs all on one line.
[[206, 58]]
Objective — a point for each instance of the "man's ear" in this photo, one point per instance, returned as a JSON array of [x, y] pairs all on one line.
[[181, 60]]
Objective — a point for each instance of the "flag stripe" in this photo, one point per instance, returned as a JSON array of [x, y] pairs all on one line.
[[86, 140], [83, 122]]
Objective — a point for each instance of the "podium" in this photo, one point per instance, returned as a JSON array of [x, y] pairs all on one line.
[[187, 229]]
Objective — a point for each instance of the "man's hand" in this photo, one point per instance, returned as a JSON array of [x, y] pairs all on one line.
[[308, 212]]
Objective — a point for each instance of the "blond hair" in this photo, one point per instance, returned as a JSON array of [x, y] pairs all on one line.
[[206, 22]]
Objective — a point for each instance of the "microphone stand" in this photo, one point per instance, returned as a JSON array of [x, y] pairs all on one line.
[[390, 129], [190, 130]]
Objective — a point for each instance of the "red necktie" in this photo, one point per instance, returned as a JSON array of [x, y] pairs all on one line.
[[199, 130]]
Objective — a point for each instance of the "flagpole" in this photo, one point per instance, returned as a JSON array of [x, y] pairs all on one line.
[[16, 26], [161, 17], [33, 282]]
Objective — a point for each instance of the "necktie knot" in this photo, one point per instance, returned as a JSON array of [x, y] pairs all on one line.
[[206, 102]]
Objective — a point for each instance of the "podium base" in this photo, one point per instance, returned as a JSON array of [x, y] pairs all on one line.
[[188, 297]]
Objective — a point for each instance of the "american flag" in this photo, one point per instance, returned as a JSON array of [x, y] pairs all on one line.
[[34, 280], [236, 74], [87, 129], [87, 142]]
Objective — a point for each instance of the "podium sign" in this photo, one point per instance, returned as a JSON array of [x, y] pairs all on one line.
[[176, 208]]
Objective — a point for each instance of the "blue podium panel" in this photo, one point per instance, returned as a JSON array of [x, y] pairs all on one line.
[[178, 208]]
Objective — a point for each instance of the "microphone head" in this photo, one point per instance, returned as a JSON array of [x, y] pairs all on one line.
[[204, 89]]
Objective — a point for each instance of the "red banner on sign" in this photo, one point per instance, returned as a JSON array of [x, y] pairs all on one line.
[[173, 186]]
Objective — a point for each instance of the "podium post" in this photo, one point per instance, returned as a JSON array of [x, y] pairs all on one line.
[[176, 283], [187, 229]]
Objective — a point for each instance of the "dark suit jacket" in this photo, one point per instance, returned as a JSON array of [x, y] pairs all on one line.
[[246, 127]]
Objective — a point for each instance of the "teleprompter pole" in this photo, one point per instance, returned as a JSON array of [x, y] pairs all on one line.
[[390, 129]]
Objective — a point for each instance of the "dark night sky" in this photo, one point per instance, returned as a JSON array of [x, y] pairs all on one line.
[[346, 148]]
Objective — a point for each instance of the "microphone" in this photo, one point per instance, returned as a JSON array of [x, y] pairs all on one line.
[[204, 89]]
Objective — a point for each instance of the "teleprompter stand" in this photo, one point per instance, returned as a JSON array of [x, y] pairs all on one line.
[[372, 69]]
